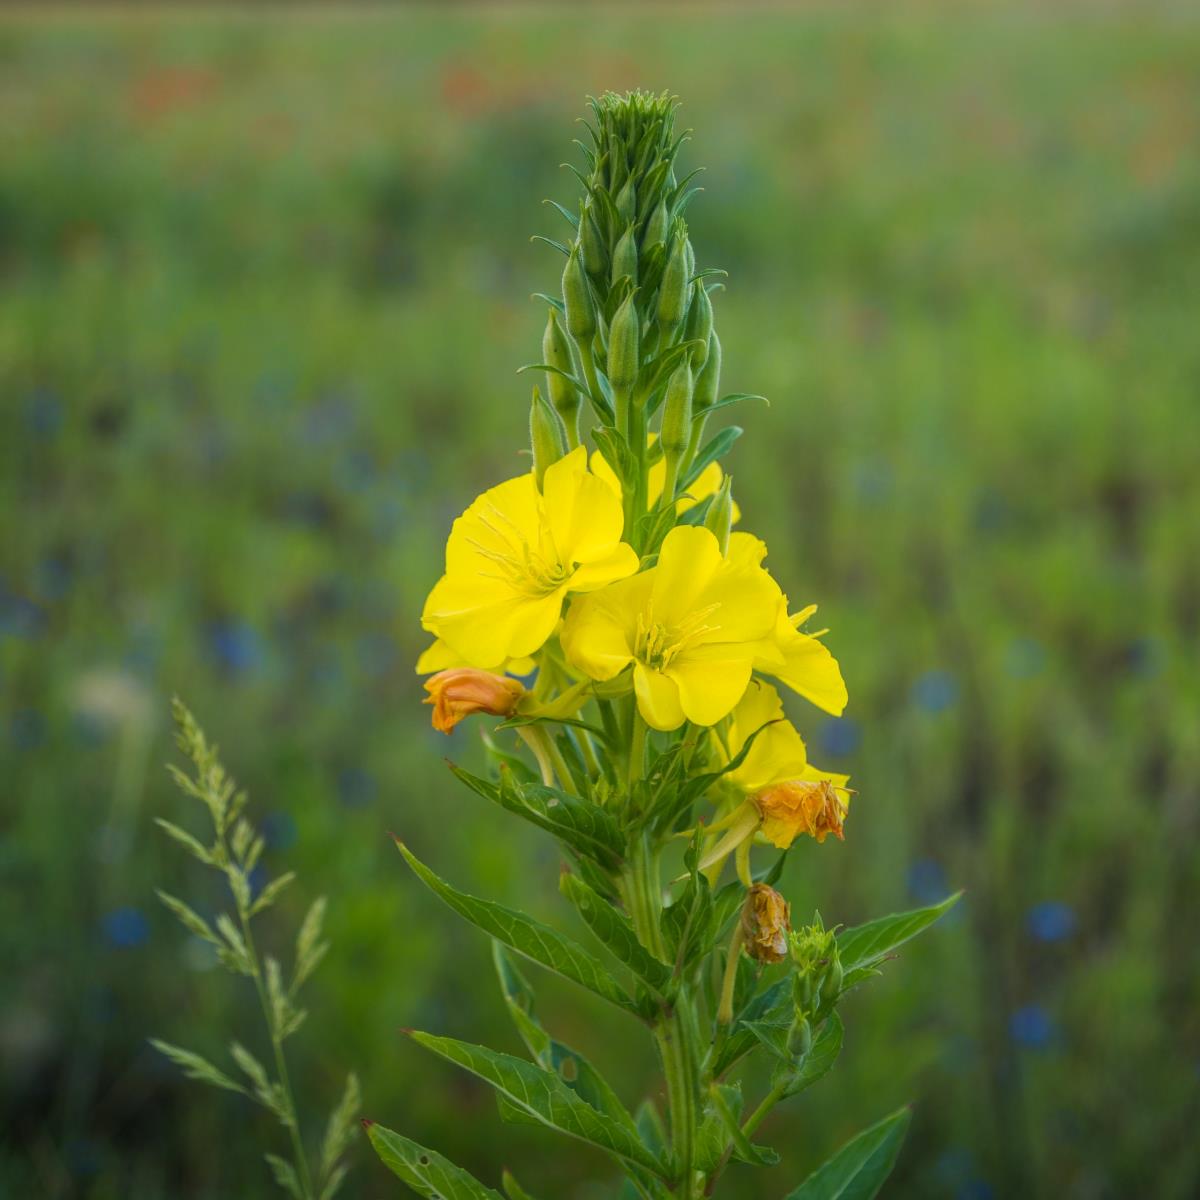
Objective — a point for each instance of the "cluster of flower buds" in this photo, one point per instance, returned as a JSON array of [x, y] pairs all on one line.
[[816, 981], [633, 333]]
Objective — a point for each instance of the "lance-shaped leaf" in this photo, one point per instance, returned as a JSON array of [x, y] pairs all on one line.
[[425, 1171], [615, 930], [568, 1064], [544, 1097], [858, 1170], [527, 936], [727, 1105], [584, 827], [772, 1006], [865, 945], [712, 450]]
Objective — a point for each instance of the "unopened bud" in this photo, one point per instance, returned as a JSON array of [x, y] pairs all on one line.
[[545, 436], [656, 227], [625, 257], [765, 924], [708, 382], [557, 353], [626, 200], [624, 346], [699, 323], [595, 254], [677, 411], [719, 518], [800, 1037], [672, 292], [690, 258], [461, 691], [577, 297]]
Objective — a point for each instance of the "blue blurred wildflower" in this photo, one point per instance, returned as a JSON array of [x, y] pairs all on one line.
[[927, 881], [52, 578], [44, 412], [236, 646], [20, 617], [1051, 921], [257, 879], [1024, 658], [1145, 657], [935, 691], [279, 830], [839, 736], [355, 786], [1032, 1027], [125, 928]]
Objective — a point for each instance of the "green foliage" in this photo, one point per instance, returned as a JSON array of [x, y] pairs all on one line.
[[234, 852], [858, 1170], [425, 1171]]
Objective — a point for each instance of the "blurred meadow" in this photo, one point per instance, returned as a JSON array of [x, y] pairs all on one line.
[[265, 283]]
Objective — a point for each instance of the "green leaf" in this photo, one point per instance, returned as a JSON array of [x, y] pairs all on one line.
[[727, 1102], [577, 823], [865, 945], [773, 1006], [426, 1172], [196, 1067], [512, 1189], [713, 449], [527, 936], [726, 401], [615, 930], [551, 1055], [543, 1096], [189, 917], [858, 1170], [285, 1175]]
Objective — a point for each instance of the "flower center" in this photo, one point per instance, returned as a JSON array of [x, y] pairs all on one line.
[[528, 569], [657, 644]]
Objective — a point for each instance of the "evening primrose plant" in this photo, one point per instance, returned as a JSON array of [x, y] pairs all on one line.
[[634, 653], [634, 645]]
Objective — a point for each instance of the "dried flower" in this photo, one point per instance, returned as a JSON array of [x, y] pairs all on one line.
[[461, 691]]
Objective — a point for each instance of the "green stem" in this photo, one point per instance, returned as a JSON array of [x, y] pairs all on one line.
[[285, 1084], [772, 1098], [673, 1030]]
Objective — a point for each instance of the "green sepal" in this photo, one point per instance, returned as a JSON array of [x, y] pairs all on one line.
[[858, 1170], [531, 938], [425, 1171]]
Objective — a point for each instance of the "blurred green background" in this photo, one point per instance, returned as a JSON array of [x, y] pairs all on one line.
[[265, 286]]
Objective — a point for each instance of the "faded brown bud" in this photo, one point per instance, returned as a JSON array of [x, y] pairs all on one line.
[[765, 924]]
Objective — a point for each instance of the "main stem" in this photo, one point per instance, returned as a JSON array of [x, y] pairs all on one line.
[[672, 1028]]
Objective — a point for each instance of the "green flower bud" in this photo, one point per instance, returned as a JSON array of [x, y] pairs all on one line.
[[557, 353], [624, 341], [545, 436], [699, 322], [690, 256], [677, 411], [625, 257], [672, 292], [708, 382], [577, 296], [656, 227], [626, 200], [595, 253], [800, 1038], [719, 518]]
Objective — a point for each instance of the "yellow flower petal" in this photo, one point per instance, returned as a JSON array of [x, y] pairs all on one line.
[[658, 698], [777, 753]]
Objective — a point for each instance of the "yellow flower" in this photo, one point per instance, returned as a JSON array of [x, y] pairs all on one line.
[[706, 484], [516, 553], [691, 627], [800, 660], [462, 691], [440, 657], [776, 754]]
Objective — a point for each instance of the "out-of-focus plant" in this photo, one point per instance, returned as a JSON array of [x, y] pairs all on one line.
[[657, 747], [234, 852]]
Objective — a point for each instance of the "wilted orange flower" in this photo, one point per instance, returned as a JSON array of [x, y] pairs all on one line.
[[461, 691], [765, 924], [799, 806]]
